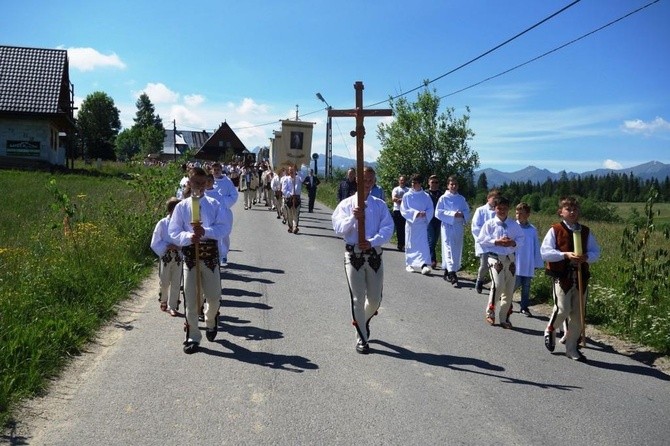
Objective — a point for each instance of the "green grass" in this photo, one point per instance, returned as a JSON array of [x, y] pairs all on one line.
[[661, 211], [60, 278]]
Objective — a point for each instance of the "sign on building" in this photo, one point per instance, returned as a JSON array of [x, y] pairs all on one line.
[[26, 149]]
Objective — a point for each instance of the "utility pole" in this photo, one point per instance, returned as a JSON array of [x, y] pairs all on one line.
[[328, 165], [174, 138]]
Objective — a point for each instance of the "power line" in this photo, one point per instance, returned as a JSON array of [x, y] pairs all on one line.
[[453, 70], [550, 51], [425, 84], [481, 55]]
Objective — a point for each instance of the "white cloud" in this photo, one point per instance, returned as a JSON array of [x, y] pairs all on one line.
[[88, 59], [193, 100], [186, 117], [647, 128], [611, 164], [158, 94], [249, 106]]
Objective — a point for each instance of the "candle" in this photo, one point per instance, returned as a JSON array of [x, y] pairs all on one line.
[[577, 240], [195, 209]]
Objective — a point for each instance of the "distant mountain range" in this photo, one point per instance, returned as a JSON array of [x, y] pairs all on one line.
[[646, 171], [494, 177]]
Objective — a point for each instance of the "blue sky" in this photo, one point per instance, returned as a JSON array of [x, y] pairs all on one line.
[[603, 101]]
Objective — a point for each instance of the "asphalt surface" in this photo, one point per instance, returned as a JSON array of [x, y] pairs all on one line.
[[283, 369]]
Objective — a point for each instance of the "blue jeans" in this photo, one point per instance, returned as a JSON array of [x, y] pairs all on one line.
[[434, 228], [524, 283]]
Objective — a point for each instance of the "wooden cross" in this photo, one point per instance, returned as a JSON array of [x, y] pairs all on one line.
[[359, 133]]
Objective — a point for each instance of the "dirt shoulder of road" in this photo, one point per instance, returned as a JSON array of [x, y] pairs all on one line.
[[634, 351]]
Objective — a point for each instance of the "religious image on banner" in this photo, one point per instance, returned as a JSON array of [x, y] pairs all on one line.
[[296, 140], [292, 145]]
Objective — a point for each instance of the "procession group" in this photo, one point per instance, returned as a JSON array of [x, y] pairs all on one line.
[[509, 250], [193, 241]]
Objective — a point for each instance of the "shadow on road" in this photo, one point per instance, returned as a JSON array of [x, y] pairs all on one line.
[[431, 358], [290, 363], [236, 292], [452, 362], [251, 269]]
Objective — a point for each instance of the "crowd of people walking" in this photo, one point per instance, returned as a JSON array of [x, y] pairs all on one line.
[[193, 242]]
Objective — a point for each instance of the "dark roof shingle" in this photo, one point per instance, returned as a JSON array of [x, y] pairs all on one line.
[[31, 79]]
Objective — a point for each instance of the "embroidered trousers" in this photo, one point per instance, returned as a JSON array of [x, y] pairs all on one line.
[[502, 270], [169, 278], [365, 277]]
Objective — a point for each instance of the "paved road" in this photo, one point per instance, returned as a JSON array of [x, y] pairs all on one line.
[[284, 369]]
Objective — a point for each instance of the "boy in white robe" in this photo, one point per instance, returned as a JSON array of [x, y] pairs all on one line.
[[417, 209]]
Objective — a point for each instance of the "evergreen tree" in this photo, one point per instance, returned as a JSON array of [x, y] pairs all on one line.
[[98, 125], [146, 136]]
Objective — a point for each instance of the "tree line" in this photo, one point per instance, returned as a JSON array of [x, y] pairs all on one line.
[[100, 135], [613, 187]]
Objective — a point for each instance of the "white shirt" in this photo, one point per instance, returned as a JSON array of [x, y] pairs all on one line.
[[448, 205], [552, 254], [213, 221], [414, 202], [275, 184], [479, 217], [528, 256], [227, 191], [495, 229], [398, 192], [160, 239], [378, 221], [291, 185]]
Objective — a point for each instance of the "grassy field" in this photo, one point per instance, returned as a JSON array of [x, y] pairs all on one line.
[[71, 247], [661, 211]]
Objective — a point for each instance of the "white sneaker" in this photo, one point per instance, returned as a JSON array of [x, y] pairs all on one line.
[[409, 269], [425, 270]]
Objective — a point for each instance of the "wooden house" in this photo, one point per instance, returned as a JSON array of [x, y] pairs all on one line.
[[223, 145], [37, 122]]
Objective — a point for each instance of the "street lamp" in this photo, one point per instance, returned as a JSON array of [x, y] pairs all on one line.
[[328, 168]]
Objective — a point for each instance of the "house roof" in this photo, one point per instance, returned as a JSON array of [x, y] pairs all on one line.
[[217, 145], [184, 139], [34, 81]]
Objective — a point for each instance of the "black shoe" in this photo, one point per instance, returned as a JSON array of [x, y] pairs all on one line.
[[362, 347], [447, 276], [578, 358], [526, 312], [479, 286], [210, 333], [454, 280], [190, 347], [550, 340]]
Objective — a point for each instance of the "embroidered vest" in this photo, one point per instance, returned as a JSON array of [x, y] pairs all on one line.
[[565, 243]]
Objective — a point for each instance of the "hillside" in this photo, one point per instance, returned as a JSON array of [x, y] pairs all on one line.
[[646, 171]]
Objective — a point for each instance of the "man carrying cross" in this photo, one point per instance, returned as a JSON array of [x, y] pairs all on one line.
[[365, 223], [363, 259]]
